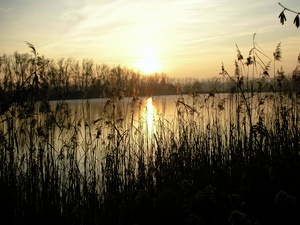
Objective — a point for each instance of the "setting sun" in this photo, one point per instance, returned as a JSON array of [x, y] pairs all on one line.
[[148, 63]]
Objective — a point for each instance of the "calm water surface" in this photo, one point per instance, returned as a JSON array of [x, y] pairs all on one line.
[[147, 114], [99, 124]]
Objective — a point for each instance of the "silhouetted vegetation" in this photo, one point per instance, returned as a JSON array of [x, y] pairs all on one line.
[[282, 16], [69, 79], [25, 74], [224, 159]]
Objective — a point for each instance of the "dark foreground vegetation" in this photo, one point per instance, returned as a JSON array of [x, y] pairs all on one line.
[[240, 165]]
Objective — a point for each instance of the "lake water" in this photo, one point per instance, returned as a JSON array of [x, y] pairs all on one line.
[[143, 113], [100, 125], [126, 112], [103, 117]]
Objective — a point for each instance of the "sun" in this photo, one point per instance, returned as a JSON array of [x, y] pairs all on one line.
[[149, 65], [148, 62]]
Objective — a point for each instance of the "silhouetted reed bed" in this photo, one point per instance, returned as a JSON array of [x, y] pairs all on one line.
[[223, 159]]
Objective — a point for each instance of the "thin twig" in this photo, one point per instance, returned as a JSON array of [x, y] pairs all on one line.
[[288, 9]]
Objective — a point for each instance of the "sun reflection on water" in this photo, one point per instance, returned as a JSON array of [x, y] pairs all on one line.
[[150, 114]]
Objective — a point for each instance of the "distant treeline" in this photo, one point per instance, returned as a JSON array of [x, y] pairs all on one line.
[[72, 79]]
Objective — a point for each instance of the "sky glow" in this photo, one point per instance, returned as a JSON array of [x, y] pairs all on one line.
[[180, 38]]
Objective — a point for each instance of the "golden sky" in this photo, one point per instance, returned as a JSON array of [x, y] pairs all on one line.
[[178, 37]]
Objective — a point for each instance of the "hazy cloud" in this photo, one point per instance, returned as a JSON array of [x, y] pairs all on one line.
[[117, 30]]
